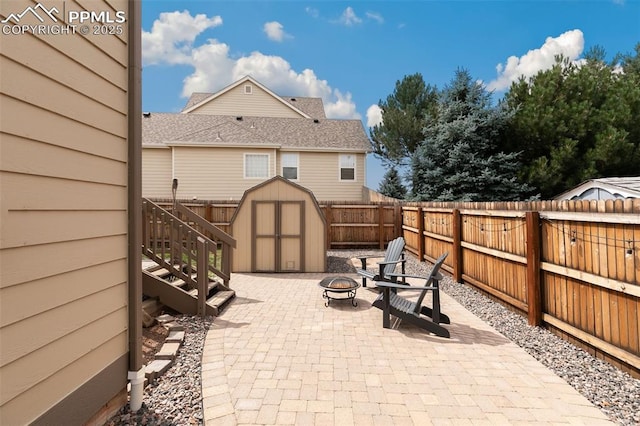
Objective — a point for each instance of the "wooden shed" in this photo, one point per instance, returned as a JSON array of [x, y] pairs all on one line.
[[279, 227]]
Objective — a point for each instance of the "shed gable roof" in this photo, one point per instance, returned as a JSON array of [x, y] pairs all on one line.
[[271, 181]]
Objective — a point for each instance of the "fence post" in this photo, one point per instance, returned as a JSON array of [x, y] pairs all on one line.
[[208, 212], [327, 216], [534, 294], [381, 226], [456, 250], [397, 220], [203, 275], [420, 234]]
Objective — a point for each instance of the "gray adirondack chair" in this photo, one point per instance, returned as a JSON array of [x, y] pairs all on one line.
[[393, 256], [414, 312]]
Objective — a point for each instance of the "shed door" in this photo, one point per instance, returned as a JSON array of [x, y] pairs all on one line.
[[277, 235]]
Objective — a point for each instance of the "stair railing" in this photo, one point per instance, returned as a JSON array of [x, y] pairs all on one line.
[[181, 249], [225, 242]]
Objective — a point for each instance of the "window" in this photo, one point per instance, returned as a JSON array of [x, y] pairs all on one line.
[[347, 167], [248, 89], [256, 166], [290, 165]]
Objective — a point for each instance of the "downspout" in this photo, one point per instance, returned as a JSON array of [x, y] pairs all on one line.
[[134, 139]]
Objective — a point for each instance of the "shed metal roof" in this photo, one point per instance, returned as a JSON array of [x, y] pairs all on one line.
[[604, 189]]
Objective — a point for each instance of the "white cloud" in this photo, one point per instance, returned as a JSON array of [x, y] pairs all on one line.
[[342, 108], [275, 31], [348, 18], [374, 115], [215, 67], [172, 36], [375, 16], [570, 44]]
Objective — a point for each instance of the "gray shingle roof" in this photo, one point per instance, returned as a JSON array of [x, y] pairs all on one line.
[[196, 97], [163, 129]]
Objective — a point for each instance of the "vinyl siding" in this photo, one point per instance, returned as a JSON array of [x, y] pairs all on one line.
[[319, 172], [157, 174], [215, 173], [218, 173], [258, 104], [63, 210]]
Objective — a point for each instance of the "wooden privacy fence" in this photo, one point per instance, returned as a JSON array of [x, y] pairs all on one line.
[[572, 265], [349, 225], [576, 270]]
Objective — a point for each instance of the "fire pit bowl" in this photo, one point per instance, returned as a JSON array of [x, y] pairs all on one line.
[[339, 285]]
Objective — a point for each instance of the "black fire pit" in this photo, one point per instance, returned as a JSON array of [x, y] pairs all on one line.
[[344, 285]]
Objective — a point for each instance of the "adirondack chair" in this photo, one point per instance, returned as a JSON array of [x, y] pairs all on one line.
[[411, 311], [393, 256]]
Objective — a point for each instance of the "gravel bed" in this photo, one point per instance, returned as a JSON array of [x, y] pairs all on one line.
[[175, 398]]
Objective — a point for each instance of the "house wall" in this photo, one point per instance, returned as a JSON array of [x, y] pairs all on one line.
[[319, 172], [63, 215], [258, 104], [157, 174], [218, 173], [314, 226], [214, 173]]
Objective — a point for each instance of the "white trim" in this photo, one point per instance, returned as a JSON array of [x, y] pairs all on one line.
[[355, 169], [297, 166], [244, 165], [248, 89]]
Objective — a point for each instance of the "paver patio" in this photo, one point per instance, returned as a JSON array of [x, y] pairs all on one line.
[[277, 355]]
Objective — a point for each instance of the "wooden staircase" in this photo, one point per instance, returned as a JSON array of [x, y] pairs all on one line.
[[193, 266]]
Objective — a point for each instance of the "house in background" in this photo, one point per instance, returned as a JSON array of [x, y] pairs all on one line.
[[613, 188], [224, 143]]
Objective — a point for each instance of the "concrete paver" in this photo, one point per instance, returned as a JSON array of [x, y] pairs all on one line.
[[277, 355]]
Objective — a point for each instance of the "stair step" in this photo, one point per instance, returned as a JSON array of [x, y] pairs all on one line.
[[161, 272], [211, 286], [150, 266], [221, 297], [178, 283]]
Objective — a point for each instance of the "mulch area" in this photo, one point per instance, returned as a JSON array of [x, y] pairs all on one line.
[[152, 339]]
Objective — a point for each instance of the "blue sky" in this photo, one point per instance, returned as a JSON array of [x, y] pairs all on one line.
[[352, 53]]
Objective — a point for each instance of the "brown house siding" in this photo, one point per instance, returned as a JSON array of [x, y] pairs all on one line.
[[64, 209]]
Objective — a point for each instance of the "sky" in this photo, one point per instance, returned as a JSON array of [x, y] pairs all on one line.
[[351, 54]]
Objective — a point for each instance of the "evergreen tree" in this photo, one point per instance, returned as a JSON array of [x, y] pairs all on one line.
[[392, 186], [396, 138], [459, 158], [576, 122]]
